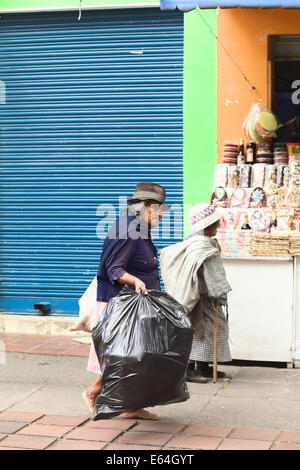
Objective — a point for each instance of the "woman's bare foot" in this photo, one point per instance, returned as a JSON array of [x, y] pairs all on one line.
[[83, 325], [140, 414], [90, 400], [91, 393]]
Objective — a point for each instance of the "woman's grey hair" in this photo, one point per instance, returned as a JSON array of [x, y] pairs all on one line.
[[136, 208]]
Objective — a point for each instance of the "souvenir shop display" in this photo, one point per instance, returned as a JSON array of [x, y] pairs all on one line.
[[260, 202]]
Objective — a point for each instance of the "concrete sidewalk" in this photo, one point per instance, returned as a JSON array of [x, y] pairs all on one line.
[[41, 406]]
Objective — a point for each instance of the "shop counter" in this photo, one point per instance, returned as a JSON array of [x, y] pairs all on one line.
[[264, 308]]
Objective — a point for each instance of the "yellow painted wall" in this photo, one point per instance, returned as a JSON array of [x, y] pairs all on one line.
[[244, 35]]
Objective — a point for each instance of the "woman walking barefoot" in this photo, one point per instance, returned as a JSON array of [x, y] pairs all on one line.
[[128, 258]]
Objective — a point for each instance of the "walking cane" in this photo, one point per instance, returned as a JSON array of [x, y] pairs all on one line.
[[216, 331]]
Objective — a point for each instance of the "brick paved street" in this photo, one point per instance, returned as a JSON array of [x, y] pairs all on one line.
[[49, 432], [23, 428]]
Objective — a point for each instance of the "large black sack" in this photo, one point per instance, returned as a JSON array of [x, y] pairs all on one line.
[[143, 343]]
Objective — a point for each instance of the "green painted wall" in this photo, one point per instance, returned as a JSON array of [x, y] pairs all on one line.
[[199, 108], [49, 4]]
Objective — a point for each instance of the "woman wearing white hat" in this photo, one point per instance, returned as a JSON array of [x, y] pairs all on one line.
[[194, 275]]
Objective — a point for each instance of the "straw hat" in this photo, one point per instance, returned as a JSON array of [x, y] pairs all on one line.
[[202, 216]]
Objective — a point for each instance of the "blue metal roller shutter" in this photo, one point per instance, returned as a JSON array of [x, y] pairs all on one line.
[[92, 107]]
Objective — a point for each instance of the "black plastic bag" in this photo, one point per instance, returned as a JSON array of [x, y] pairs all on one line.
[[143, 343]]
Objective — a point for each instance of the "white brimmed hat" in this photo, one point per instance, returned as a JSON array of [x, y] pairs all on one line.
[[202, 216]]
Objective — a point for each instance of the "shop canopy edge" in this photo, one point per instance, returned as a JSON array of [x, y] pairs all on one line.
[[188, 5]]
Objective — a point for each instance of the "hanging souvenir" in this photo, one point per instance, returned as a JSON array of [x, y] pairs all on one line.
[[239, 198], [219, 197], [259, 222], [258, 198]]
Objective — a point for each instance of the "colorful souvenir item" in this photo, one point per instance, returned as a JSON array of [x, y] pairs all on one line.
[[295, 169], [280, 174], [221, 176], [271, 175], [258, 198], [259, 222], [292, 197], [223, 225], [219, 197], [286, 176], [234, 181], [259, 125], [232, 219], [264, 154], [245, 175], [284, 219], [281, 156], [231, 151], [239, 198], [258, 175]]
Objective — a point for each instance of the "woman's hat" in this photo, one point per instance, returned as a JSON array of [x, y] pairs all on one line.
[[202, 216], [149, 191]]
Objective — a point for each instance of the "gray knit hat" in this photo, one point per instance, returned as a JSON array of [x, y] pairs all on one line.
[[152, 191]]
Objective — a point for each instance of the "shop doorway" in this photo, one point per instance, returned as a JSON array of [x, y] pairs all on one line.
[[284, 80]]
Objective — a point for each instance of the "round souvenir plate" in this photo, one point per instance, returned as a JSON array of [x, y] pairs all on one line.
[[239, 198], [219, 197], [258, 198]]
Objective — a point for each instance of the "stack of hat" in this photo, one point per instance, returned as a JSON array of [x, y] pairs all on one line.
[[260, 126], [264, 154], [281, 155], [231, 151]]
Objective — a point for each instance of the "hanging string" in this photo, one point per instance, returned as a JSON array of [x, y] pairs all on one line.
[[79, 12], [227, 52]]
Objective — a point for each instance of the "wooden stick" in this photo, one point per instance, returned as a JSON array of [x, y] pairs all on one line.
[[216, 328]]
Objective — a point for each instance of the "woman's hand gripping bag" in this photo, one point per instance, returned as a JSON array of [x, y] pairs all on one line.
[[143, 343]]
